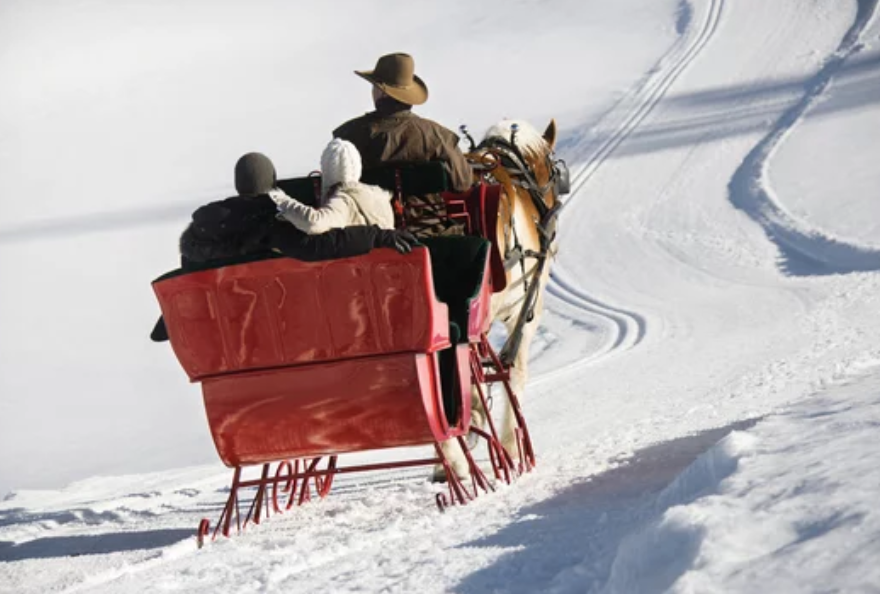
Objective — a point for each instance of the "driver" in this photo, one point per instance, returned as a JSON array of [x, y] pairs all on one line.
[[394, 134]]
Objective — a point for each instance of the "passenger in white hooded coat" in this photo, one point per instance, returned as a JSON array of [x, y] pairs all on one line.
[[345, 201]]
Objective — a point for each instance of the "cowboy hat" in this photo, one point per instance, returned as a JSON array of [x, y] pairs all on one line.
[[394, 75]]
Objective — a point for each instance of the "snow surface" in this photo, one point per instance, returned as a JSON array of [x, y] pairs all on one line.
[[706, 384]]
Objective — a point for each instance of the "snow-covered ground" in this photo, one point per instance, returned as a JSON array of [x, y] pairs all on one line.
[[706, 387]]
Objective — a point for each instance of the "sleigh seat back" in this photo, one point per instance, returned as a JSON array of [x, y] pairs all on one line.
[[299, 359]]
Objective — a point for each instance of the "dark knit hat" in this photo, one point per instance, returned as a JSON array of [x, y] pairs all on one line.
[[254, 174]]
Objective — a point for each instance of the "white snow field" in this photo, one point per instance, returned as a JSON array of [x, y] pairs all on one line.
[[705, 392]]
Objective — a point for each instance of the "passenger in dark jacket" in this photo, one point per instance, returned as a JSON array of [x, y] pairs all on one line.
[[246, 226], [394, 134]]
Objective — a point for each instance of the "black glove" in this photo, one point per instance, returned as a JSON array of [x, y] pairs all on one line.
[[402, 241]]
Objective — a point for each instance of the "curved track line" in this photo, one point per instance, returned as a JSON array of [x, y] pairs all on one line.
[[806, 252], [631, 326], [653, 92]]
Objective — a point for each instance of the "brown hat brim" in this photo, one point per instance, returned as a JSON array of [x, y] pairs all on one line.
[[414, 94]]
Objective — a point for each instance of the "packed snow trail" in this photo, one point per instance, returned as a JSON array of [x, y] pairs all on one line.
[[629, 326], [707, 256], [636, 106]]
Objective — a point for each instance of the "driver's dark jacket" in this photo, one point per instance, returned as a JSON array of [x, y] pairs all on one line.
[[394, 134]]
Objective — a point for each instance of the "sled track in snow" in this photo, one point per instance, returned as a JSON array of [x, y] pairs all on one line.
[[630, 326], [646, 97], [805, 251]]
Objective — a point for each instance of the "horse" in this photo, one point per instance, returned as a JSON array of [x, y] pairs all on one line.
[[515, 155]]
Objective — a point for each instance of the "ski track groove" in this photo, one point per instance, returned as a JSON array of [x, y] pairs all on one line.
[[629, 325], [653, 91], [806, 251]]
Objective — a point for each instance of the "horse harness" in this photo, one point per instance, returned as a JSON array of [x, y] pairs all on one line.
[[495, 152]]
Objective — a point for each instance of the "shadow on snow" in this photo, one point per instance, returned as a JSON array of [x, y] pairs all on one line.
[[91, 544], [74, 226], [570, 540], [731, 111]]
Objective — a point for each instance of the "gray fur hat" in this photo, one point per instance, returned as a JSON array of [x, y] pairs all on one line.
[[254, 174]]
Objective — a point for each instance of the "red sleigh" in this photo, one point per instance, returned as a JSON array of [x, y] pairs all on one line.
[[301, 362]]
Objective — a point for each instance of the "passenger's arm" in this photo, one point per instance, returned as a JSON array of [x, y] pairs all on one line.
[[342, 242], [336, 213], [338, 243]]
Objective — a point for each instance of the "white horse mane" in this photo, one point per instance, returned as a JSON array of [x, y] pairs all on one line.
[[529, 140]]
